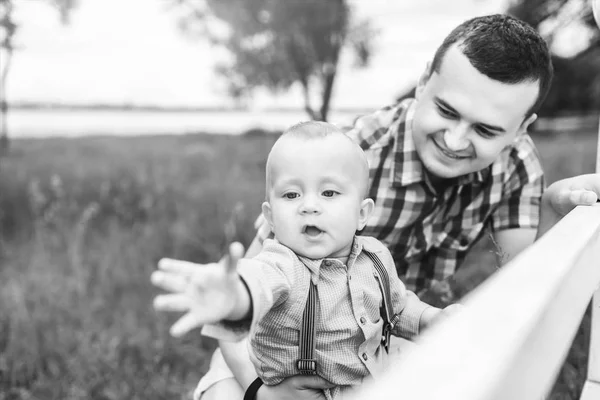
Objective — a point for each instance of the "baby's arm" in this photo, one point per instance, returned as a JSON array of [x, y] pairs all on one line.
[[411, 315], [218, 292]]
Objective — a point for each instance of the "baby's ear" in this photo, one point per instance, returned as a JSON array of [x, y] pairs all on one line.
[[267, 212], [366, 208]]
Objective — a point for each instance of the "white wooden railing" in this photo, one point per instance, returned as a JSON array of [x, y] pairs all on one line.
[[515, 330], [591, 389], [511, 338]]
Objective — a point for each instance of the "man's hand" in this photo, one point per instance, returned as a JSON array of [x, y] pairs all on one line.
[[208, 293], [299, 387], [563, 196]]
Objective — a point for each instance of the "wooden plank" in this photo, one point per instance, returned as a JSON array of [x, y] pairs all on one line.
[[591, 391], [594, 356], [593, 377], [510, 340]]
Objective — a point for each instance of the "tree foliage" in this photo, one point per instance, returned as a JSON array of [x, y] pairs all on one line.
[[576, 85], [277, 43], [8, 29]]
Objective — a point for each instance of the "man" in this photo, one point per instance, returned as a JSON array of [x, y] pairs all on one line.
[[447, 165]]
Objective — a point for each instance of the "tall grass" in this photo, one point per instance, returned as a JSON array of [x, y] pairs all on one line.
[[83, 223]]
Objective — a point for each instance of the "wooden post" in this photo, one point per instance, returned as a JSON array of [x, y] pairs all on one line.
[[591, 389]]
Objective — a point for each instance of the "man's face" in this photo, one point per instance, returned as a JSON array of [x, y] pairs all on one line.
[[463, 119], [316, 195]]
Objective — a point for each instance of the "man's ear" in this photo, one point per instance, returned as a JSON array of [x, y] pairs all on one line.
[[366, 209], [268, 213], [525, 124], [423, 80]]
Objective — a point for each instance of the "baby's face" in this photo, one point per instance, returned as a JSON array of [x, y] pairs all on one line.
[[316, 198]]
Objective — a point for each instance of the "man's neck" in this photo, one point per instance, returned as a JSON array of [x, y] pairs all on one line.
[[437, 184]]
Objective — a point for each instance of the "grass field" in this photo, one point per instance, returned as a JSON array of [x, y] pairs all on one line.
[[83, 223]]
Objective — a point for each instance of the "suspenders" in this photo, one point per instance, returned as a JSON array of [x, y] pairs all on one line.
[[307, 364]]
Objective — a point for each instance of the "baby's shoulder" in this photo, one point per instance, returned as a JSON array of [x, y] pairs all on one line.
[[372, 245], [274, 252]]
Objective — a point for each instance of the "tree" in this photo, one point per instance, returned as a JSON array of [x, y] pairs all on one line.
[[276, 43], [576, 85], [8, 29]]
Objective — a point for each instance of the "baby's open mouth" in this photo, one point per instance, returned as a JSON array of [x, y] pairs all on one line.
[[311, 230]]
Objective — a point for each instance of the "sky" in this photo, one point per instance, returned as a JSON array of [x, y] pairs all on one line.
[[132, 52]]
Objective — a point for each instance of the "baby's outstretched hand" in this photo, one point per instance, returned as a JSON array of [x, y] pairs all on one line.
[[207, 293]]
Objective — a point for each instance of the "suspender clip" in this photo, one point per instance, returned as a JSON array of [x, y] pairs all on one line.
[[307, 366]]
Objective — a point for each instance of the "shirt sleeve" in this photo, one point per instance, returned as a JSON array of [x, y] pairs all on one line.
[[268, 277], [406, 305], [522, 188]]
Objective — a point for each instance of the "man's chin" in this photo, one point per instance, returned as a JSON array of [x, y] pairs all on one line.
[[440, 170]]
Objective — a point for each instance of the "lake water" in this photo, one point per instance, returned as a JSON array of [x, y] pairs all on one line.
[[66, 123]]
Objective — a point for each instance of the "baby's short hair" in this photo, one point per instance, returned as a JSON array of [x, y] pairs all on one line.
[[310, 130]]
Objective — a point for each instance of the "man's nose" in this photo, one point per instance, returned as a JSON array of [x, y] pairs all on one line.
[[456, 138]]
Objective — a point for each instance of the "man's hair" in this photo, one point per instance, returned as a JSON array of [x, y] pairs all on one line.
[[310, 130], [504, 49]]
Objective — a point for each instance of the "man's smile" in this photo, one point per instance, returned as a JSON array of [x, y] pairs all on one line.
[[448, 153]]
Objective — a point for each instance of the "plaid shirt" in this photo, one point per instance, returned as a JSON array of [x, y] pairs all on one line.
[[348, 322], [430, 233]]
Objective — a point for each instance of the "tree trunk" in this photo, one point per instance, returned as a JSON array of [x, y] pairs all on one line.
[[4, 105], [306, 92], [328, 81]]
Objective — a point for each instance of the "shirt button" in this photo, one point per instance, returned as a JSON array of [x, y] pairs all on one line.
[[365, 357], [327, 263], [349, 277], [363, 320]]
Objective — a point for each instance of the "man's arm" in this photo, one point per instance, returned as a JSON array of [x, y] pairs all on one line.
[[512, 241], [558, 200]]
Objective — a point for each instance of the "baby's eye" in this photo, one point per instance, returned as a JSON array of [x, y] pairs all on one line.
[[291, 195], [330, 193]]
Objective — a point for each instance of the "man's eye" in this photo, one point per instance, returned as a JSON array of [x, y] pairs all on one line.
[[446, 113], [329, 193], [291, 195], [484, 133]]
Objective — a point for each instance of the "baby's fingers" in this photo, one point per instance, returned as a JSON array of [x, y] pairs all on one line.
[[236, 251], [175, 283], [185, 324], [178, 266], [171, 302]]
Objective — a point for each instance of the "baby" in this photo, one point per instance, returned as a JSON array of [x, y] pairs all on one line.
[[316, 200]]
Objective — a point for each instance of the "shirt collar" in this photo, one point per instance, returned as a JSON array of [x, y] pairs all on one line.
[[407, 167], [314, 265]]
